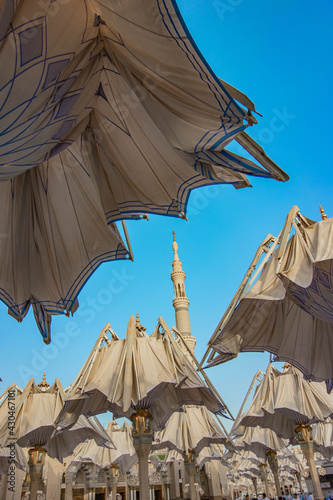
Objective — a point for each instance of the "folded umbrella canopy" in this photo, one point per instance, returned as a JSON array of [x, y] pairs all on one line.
[[288, 404], [110, 113], [258, 440], [123, 455], [323, 438], [139, 372], [289, 310], [193, 428], [36, 408], [212, 452], [284, 400], [247, 468]]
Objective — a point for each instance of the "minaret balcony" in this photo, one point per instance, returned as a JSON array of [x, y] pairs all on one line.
[[180, 300]]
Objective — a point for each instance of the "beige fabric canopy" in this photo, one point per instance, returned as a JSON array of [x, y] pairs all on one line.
[[35, 412], [289, 310], [112, 113], [283, 400], [322, 434], [212, 452], [52, 247], [258, 440], [137, 372], [245, 467], [123, 455], [193, 428]]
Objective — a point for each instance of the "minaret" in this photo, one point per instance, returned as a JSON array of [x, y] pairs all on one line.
[[181, 302]]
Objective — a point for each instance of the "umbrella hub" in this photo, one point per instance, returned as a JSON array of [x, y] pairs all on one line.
[[189, 456], [37, 456], [142, 421]]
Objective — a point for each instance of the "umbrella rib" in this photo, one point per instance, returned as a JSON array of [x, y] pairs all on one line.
[[172, 358], [118, 379], [81, 373], [238, 295], [303, 242]]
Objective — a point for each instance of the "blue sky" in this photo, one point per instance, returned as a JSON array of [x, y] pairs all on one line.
[[279, 53]]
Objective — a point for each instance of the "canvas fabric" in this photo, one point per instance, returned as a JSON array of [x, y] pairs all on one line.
[[107, 110], [289, 312]]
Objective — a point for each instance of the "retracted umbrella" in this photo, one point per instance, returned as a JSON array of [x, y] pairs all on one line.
[[288, 311], [142, 378]]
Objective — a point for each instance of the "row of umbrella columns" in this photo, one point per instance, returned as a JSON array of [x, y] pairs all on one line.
[[305, 440], [251, 463], [121, 458], [35, 410], [288, 404]]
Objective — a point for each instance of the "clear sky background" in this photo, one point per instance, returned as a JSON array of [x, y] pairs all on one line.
[[279, 53]]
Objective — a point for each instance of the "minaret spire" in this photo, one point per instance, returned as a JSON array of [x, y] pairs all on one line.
[[181, 302]]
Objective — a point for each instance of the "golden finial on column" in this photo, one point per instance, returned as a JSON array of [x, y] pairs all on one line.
[[322, 211], [43, 384], [138, 325]]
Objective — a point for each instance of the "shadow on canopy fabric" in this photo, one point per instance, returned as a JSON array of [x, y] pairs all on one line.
[[289, 309], [124, 454], [193, 428], [118, 101], [258, 440]]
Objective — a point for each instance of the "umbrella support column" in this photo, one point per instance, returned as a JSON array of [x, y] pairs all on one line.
[[304, 435], [114, 484], [273, 463], [36, 462], [142, 444], [69, 486], [299, 479], [264, 477], [107, 489], [174, 482], [190, 472], [113, 481], [255, 485], [142, 441], [307, 449]]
